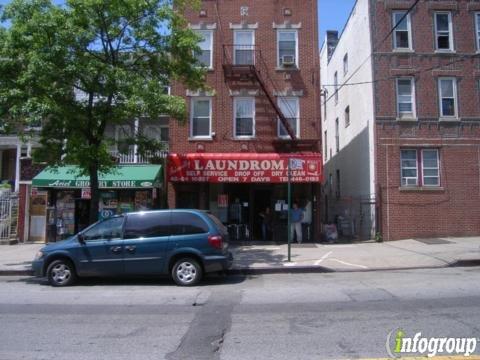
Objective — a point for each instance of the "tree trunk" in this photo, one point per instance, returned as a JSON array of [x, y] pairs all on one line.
[[95, 193]]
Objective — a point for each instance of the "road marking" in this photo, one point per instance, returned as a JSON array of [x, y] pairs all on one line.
[[290, 264], [323, 258], [349, 264]]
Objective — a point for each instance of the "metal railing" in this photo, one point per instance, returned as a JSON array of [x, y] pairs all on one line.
[[8, 216], [132, 157]]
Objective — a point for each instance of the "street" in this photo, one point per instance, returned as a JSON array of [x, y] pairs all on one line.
[[282, 316]]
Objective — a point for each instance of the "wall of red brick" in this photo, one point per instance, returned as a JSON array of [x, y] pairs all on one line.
[[265, 13], [23, 197], [452, 209]]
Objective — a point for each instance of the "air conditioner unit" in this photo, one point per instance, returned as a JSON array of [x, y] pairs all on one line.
[[288, 60]]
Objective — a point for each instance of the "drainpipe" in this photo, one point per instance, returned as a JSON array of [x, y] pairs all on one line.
[[17, 166]]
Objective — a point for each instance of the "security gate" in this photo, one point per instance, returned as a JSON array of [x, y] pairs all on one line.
[[8, 216]]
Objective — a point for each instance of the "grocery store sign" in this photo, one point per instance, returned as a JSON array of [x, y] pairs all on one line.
[[101, 183], [245, 168]]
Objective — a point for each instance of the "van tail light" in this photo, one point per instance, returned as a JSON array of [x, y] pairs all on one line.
[[216, 241]]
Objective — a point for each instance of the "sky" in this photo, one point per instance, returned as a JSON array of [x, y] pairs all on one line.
[[332, 15]]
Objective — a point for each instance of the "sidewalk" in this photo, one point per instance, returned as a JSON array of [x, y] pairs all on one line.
[[260, 258]]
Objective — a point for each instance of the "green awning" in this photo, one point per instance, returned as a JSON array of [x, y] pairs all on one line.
[[120, 177]]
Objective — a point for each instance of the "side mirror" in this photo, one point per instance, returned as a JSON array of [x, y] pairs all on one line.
[[81, 239]]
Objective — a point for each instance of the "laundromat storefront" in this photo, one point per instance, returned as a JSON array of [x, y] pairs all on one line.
[[60, 199], [238, 187]]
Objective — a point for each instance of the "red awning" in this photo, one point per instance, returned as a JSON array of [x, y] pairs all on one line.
[[244, 167]]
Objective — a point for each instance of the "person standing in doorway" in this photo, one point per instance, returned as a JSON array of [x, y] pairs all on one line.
[[266, 223], [296, 219]]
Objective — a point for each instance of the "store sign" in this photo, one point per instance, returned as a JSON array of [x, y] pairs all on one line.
[[103, 184], [86, 193], [245, 168]]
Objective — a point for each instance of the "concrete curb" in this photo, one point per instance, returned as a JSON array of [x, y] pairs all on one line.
[[266, 270]]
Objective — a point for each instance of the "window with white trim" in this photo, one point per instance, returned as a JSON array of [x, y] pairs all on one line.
[[345, 64], [335, 86], [447, 92], [425, 160], [405, 98], [244, 47], [402, 35], [201, 118], [290, 108], [244, 117], [477, 30], [287, 45], [205, 55], [443, 31]]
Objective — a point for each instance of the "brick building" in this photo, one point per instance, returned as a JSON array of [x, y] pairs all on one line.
[[262, 110], [420, 128]]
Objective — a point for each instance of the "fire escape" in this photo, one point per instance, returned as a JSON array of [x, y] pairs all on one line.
[[244, 66]]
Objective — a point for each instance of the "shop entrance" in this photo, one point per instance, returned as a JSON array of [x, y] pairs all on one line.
[[262, 198], [82, 211]]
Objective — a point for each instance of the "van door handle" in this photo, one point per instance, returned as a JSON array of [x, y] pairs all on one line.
[[116, 249], [130, 249]]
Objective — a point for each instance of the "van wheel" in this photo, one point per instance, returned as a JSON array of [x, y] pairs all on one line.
[[187, 272], [61, 273]]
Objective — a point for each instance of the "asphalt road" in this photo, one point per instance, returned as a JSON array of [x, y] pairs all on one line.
[[297, 316]]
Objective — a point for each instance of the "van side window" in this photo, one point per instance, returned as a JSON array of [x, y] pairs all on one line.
[[184, 223], [147, 225], [105, 230]]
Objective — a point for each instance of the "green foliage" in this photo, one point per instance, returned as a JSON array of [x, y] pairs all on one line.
[[83, 66]]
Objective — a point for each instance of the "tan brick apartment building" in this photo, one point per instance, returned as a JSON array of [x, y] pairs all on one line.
[[411, 112], [231, 156]]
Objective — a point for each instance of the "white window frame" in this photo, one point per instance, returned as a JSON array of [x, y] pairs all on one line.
[[235, 100], [409, 29], [192, 100], [278, 46], [477, 30], [347, 117], [430, 168], [337, 135], [407, 184], [157, 128], [455, 97], [210, 32], [235, 33], [297, 132], [451, 47], [405, 115]]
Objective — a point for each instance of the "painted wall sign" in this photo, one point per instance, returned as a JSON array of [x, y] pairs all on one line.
[[244, 168]]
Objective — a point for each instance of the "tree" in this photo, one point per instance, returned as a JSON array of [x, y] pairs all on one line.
[[82, 65]]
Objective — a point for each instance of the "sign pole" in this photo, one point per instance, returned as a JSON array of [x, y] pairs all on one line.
[[289, 231]]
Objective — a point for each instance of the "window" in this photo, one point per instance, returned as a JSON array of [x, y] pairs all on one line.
[[409, 167], [430, 167], [405, 98], [347, 116], [477, 28], [335, 86], [291, 110], [425, 159], [244, 45], [205, 55], [287, 44], [244, 117], [123, 138], [325, 146], [443, 31], [156, 132], [201, 118], [402, 38], [337, 185], [184, 223], [345, 64], [337, 136], [447, 88], [105, 230], [147, 225]]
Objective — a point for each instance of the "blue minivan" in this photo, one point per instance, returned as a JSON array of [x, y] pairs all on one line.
[[183, 243]]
